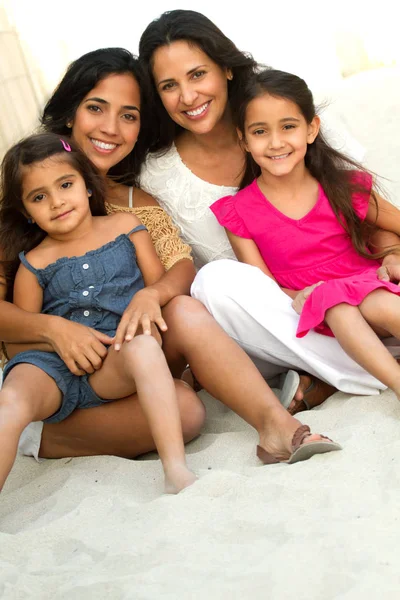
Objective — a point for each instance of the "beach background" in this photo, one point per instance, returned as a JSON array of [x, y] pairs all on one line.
[[328, 528]]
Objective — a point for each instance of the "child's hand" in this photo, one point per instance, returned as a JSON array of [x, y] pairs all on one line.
[[389, 272], [302, 296], [143, 310]]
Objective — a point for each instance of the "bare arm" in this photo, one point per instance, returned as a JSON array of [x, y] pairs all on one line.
[[386, 237], [81, 348], [247, 252], [145, 307], [386, 216]]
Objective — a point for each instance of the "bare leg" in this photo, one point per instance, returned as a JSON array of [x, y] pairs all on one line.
[[360, 341], [117, 428], [227, 373], [140, 365], [28, 394]]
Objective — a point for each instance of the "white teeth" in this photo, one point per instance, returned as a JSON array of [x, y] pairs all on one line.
[[279, 157], [103, 145], [198, 111]]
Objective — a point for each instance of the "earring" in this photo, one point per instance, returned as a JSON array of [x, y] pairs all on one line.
[[230, 75], [30, 221], [69, 124], [89, 192]]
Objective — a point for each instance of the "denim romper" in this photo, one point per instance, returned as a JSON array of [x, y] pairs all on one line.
[[93, 289]]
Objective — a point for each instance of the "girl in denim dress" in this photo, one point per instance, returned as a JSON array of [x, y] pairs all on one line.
[[78, 263]]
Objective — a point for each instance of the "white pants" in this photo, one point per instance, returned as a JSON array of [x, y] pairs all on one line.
[[255, 312]]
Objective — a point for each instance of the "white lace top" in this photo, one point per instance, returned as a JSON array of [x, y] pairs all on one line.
[[186, 198]]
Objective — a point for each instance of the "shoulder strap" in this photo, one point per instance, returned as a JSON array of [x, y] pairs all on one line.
[[137, 228], [27, 264]]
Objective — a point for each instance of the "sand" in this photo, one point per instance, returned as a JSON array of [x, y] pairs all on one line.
[[100, 527]]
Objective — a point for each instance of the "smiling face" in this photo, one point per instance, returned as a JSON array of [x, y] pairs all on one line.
[[277, 134], [192, 87], [107, 121], [54, 195]]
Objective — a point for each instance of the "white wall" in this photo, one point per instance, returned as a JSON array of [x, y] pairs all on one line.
[[299, 36]]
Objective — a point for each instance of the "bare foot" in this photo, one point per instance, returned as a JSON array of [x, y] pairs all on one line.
[[278, 437], [177, 478], [311, 393]]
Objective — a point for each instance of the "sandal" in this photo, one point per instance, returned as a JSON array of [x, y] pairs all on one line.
[[189, 377], [317, 392], [288, 385], [300, 450]]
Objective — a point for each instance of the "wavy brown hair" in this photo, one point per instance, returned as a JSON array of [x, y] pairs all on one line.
[[16, 233], [197, 30], [331, 168]]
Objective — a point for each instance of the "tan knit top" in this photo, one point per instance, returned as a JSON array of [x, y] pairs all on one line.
[[164, 235]]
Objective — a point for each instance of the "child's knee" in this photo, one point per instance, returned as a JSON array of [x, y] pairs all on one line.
[[141, 348], [14, 409]]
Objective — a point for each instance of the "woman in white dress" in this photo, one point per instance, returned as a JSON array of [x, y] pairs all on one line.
[[197, 159]]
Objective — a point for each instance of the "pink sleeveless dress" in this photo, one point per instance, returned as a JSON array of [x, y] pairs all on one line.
[[305, 251]]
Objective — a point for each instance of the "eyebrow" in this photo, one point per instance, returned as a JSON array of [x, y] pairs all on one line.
[[285, 120], [188, 73], [102, 101], [36, 190]]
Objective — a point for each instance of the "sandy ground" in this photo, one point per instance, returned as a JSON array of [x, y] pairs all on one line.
[[100, 527]]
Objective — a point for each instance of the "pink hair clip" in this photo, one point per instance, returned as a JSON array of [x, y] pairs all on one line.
[[67, 147]]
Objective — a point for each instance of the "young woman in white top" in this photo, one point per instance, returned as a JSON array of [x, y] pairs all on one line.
[[196, 71]]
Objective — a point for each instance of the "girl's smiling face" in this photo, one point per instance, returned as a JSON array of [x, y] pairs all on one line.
[[192, 87], [107, 121], [55, 197], [277, 134]]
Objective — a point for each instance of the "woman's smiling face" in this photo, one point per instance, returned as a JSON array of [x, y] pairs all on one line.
[[192, 87], [107, 121]]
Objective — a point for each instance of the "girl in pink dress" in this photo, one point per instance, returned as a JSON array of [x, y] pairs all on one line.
[[305, 220]]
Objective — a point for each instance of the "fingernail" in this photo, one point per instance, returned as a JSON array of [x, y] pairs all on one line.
[[128, 337], [117, 347]]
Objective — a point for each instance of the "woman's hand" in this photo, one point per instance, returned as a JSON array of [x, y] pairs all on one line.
[[82, 348], [299, 301], [143, 310]]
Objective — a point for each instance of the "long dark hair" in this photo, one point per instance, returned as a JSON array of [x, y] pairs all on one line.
[[16, 234], [333, 169], [82, 76], [197, 30]]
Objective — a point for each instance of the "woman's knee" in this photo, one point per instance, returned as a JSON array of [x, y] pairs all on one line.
[[192, 410], [184, 310]]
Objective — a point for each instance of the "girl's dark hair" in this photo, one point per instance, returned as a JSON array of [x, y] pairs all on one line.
[[16, 234], [333, 169], [197, 30], [82, 76]]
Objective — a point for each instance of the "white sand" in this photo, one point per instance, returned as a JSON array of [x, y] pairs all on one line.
[[326, 528]]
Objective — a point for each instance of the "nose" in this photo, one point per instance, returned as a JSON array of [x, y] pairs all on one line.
[[57, 200], [188, 95], [109, 124], [275, 140]]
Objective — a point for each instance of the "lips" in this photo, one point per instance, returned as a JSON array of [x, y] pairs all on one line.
[[103, 146], [279, 156], [196, 112], [64, 214]]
